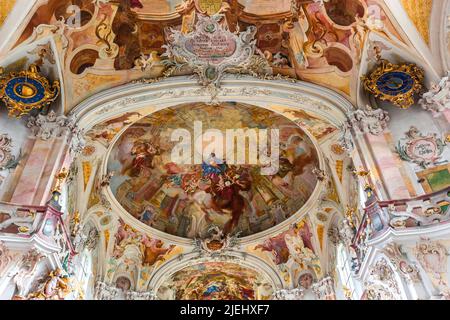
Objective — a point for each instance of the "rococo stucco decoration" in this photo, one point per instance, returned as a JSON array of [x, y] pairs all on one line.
[[224, 150], [421, 149], [6, 157], [210, 49]]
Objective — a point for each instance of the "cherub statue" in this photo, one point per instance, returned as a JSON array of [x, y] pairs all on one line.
[[60, 178], [56, 287]]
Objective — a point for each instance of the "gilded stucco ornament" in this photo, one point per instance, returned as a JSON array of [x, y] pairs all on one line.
[[57, 286], [24, 221], [60, 178], [27, 90], [396, 83], [209, 7]]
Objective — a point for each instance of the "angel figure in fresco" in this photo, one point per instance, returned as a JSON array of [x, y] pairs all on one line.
[[295, 157], [277, 246], [301, 255], [124, 236], [213, 166], [153, 250], [228, 197], [143, 152], [299, 154]]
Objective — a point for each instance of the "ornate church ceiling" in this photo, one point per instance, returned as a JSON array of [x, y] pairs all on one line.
[[142, 86], [217, 281], [104, 44], [163, 186]]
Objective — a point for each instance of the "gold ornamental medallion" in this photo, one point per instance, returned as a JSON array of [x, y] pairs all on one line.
[[209, 7]]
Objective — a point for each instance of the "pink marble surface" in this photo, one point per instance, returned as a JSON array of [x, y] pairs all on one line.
[[447, 115], [28, 184], [51, 168], [387, 164]]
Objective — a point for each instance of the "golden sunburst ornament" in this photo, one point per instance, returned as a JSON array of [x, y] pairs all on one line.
[[397, 83], [27, 90], [209, 7]]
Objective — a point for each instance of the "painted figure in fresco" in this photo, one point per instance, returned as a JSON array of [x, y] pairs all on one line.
[[296, 157], [143, 153], [287, 243], [148, 215], [299, 154], [213, 166], [124, 233], [154, 251], [227, 195], [278, 212], [123, 119], [133, 4], [306, 280], [185, 223], [303, 256], [217, 281], [276, 246]]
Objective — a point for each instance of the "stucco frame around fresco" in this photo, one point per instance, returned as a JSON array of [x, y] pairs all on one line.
[[174, 91]]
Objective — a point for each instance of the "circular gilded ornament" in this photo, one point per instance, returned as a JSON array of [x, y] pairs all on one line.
[[27, 90], [337, 149], [397, 83], [209, 7]]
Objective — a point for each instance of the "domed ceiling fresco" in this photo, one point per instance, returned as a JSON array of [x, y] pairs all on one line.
[[255, 171], [217, 281]]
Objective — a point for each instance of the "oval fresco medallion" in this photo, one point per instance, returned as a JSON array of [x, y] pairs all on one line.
[[186, 169]]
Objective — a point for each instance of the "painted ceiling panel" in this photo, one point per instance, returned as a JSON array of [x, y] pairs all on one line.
[[5, 8], [419, 11]]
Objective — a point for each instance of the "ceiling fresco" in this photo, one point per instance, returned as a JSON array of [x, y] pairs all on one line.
[[103, 44], [186, 198], [218, 281], [224, 149]]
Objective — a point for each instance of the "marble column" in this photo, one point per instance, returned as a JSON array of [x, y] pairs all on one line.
[[33, 186], [388, 167]]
